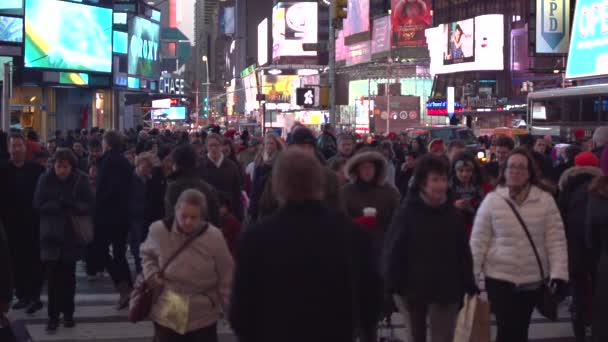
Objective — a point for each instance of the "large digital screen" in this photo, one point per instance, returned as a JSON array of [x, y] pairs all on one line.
[[11, 6], [263, 42], [460, 42], [294, 24], [250, 83], [486, 52], [340, 47], [409, 20], [73, 78], [357, 20], [381, 35], [67, 36], [358, 53], [11, 29], [144, 45], [588, 55], [121, 42], [278, 88], [169, 114]]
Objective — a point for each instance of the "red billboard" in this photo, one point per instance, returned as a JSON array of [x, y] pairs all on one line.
[[409, 19]]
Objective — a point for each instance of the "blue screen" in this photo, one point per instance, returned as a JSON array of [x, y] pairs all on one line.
[[11, 29], [169, 114], [121, 42]]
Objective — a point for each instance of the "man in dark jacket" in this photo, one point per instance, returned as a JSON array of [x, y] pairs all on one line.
[[6, 274], [18, 180], [573, 199], [327, 144], [284, 266], [223, 174], [112, 214]]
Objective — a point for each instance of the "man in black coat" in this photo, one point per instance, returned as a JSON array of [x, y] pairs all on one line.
[[18, 180], [112, 214], [304, 273]]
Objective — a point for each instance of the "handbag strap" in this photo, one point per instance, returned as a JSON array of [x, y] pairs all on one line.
[[183, 248], [523, 224]]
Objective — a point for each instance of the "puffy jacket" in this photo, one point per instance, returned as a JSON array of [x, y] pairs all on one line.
[[499, 244]]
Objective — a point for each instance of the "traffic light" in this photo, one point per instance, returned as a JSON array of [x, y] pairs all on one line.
[[206, 99], [339, 9]]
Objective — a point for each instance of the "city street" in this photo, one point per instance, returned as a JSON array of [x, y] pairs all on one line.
[[97, 320]]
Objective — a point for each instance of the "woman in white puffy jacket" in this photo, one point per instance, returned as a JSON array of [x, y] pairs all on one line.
[[503, 253]]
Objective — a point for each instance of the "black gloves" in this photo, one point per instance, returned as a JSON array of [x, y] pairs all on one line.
[[559, 288], [472, 290]]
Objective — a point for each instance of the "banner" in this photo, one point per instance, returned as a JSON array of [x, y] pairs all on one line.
[[409, 20], [552, 26]]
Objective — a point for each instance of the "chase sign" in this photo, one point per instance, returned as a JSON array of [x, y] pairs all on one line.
[[588, 55], [552, 26]]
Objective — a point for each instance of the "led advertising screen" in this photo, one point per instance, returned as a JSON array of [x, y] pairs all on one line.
[[121, 42], [588, 55], [358, 53], [294, 24], [357, 20], [250, 83], [460, 42], [11, 6], [278, 88], [381, 35], [487, 49], [340, 47], [263, 42], [409, 20], [169, 114], [11, 29], [67, 36], [144, 44], [73, 78]]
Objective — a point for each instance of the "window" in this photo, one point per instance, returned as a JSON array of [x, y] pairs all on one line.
[[590, 109]]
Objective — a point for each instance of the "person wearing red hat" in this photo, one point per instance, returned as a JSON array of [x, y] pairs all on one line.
[[574, 196]]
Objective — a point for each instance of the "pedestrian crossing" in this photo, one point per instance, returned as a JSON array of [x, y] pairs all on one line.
[[98, 320]]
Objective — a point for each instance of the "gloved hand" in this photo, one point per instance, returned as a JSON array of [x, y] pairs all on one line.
[[559, 288], [472, 290]]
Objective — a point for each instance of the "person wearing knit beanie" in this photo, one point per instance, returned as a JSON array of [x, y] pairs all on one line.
[[586, 159]]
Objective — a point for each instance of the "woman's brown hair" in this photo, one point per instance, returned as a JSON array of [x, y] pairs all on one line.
[[532, 168]]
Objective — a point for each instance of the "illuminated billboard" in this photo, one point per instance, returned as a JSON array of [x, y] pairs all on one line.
[[409, 21], [67, 36], [381, 35], [11, 29], [357, 20], [73, 78], [294, 24], [480, 46], [340, 47], [144, 45], [278, 88], [263, 42], [358, 53], [552, 26], [121, 42], [11, 6], [169, 114], [588, 56]]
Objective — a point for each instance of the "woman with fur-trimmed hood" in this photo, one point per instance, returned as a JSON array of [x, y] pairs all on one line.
[[368, 188], [574, 196]]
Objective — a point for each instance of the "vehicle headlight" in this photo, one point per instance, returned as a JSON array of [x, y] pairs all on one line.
[[481, 155]]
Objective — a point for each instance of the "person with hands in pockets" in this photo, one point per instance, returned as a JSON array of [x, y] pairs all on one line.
[[504, 254]]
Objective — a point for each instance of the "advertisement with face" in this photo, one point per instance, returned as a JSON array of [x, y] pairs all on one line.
[[460, 42], [294, 24], [11, 29], [588, 55], [409, 19], [67, 36], [357, 20], [144, 39], [486, 53], [381, 35]]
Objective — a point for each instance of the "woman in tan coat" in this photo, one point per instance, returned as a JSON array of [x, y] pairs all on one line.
[[195, 286]]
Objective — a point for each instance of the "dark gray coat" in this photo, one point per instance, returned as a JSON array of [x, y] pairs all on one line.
[[55, 200]]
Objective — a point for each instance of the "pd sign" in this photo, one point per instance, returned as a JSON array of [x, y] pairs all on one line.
[[552, 26]]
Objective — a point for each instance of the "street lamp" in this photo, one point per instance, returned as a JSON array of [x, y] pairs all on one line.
[[206, 61]]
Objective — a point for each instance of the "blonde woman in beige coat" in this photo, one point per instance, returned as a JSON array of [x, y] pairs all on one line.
[[194, 288]]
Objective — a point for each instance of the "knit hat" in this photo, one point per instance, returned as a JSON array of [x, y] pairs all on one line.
[[586, 159], [437, 146], [579, 133], [303, 136]]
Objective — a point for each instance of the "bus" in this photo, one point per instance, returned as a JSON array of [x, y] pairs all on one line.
[[557, 112]]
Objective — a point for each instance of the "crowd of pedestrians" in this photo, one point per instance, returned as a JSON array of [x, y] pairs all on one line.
[[308, 238]]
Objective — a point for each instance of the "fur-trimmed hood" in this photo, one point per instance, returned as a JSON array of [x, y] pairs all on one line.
[[366, 157], [577, 171]]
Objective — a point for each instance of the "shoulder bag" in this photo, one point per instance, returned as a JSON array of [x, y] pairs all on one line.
[[547, 301], [81, 224], [143, 295]]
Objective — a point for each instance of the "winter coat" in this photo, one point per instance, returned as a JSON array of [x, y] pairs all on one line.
[[327, 145], [295, 272], [203, 272], [182, 180], [403, 181], [6, 273], [499, 244], [261, 176], [226, 179], [56, 200], [114, 176], [573, 198], [17, 213], [597, 228], [146, 201], [377, 194], [427, 255]]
